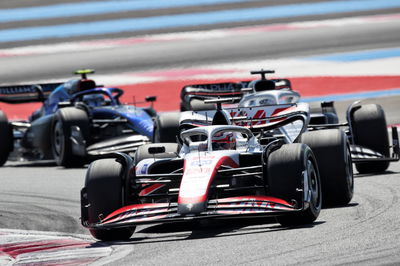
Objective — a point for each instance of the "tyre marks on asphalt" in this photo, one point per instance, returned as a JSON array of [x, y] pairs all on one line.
[[373, 219], [33, 211]]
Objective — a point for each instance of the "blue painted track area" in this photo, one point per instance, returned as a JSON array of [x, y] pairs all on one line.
[[359, 56], [171, 21], [98, 8]]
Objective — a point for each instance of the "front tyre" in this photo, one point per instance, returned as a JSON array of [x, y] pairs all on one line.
[[6, 138], [293, 176], [369, 130], [104, 195], [61, 141], [332, 151]]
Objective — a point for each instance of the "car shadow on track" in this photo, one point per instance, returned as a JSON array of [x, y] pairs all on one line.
[[208, 229], [351, 204], [40, 164], [374, 174], [30, 164]]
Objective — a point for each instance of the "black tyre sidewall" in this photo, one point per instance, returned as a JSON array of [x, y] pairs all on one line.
[[65, 118], [104, 195], [369, 130], [6, 138], [331, 150], [166, 127], [285, 179]]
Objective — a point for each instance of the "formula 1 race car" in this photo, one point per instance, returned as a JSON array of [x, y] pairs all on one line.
[[366, 125], [266, 167], [78, 119]]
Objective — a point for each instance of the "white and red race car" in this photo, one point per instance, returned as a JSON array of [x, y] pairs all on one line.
[[263, 166], [365, 124]]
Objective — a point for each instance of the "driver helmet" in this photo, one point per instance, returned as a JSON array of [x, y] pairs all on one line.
[[223, 141]]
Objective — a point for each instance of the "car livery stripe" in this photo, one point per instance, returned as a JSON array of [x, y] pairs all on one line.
[[133, 209], [224, 160]]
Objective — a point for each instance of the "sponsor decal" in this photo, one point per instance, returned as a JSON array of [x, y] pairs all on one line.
[[16, 90], [200, 162], [143, 170], [218, 87]]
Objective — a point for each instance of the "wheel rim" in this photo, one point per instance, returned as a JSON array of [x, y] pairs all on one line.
[[313, 185], [59, 140]]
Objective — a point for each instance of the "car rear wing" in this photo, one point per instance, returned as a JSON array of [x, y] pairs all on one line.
[[225, 89], [26, 93], [214, 90]]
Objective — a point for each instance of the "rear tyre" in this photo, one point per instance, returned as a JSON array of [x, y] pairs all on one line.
[[331, 149], [166, 127], [171, 149], [104, 195], [286, 181], [6, 138], [61, 141], [369, 130]]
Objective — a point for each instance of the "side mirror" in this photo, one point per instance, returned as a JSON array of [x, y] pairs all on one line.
[[151, 98], [156, 149]]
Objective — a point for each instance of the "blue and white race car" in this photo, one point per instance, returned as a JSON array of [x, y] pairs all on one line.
[[78, 119]]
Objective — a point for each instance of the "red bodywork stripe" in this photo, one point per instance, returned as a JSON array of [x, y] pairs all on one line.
[[150, 189], [136, 206], [254, 198]]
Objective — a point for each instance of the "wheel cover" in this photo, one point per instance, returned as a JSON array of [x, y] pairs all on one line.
[[58, 139], [313, 186]]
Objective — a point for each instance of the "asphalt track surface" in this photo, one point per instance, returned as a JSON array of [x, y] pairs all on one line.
[[41, 196]]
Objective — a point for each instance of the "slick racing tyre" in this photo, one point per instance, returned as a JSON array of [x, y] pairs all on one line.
[[61, 142], [332, 151], [6, 138], [369, 130], [286, 181], [166, 127], [104, 195], [171, 151]]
